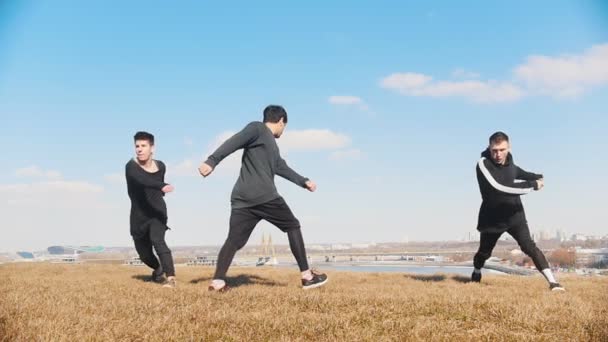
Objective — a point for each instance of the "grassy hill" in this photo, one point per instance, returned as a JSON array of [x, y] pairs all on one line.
[[113, 302]]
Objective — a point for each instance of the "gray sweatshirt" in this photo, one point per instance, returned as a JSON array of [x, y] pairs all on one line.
[[261, 161]]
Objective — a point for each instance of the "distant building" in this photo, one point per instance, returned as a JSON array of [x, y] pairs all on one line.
[[26, 255], [544, 235], [340, 247], [134, 261], [415, 258], [66, 260], [560, 235], [578, 237], [471, 236], [585, 257], [202, 261], [437, 258], [60, 250]]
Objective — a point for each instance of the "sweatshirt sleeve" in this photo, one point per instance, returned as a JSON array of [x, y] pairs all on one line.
[[240, 140], [512, 188], [525, 175], [288, 173]]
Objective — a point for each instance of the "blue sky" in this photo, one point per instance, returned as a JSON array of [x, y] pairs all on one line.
[[390, 105]]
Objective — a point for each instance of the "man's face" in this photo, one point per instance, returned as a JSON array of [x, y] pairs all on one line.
[[499, 151], [280, 128], [143, 150]]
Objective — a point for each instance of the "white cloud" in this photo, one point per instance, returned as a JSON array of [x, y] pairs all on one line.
[[565, 75], [301, 140], [348, 100], [115, 178], [313, 140], [414, 84], [404, 81], [561, 76], [348, 154], [58, 193], [344, 100], [49, 190], [464, 74], [45, 213], [36, 172], [187, 167], [51, 187]]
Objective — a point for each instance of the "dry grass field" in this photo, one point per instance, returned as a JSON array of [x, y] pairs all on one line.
[[86, 302]]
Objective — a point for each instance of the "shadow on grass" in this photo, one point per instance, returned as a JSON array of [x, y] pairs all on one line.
[[461, 279], [438, 278], [142, 277], [424, 277], [242, 280]]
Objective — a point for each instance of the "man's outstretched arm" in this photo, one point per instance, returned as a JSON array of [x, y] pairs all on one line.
[[240, 140], [522, 188], [288, 173], [525, 175]]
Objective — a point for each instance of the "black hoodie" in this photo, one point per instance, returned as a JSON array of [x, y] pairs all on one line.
[[501, 208]]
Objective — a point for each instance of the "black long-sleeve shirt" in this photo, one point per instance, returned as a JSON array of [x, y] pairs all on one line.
[[261, 161], [145, 192], [501, 207]]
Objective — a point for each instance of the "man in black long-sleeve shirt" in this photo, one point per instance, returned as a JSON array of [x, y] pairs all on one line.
[[255, 196], [146, 187], [501, 209]]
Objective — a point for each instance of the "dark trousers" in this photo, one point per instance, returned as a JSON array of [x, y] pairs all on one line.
[[521, 234], [153, 236], [244, 220]]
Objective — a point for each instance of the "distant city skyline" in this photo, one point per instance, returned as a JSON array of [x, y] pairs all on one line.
[[539, 236]]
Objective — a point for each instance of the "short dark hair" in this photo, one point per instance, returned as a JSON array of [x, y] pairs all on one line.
[[498, 137], [274, 113], [144, 136]]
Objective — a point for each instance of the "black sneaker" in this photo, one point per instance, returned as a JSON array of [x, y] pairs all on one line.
[[556, 287], [476, 277], [318, 279], [157, 276]]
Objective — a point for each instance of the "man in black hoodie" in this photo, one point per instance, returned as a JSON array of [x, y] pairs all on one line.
[[146, 187], [501, 209], [255, 196]]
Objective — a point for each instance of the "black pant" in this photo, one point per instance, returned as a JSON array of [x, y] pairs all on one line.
[[244, 220], [153, 235], [521, 234]]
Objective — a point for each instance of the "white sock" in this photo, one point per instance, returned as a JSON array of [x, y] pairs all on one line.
[[218, 283], [477, 270], [549, 275], [307, 275]]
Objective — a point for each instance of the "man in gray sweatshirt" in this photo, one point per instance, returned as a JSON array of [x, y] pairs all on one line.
[[255, 196]]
